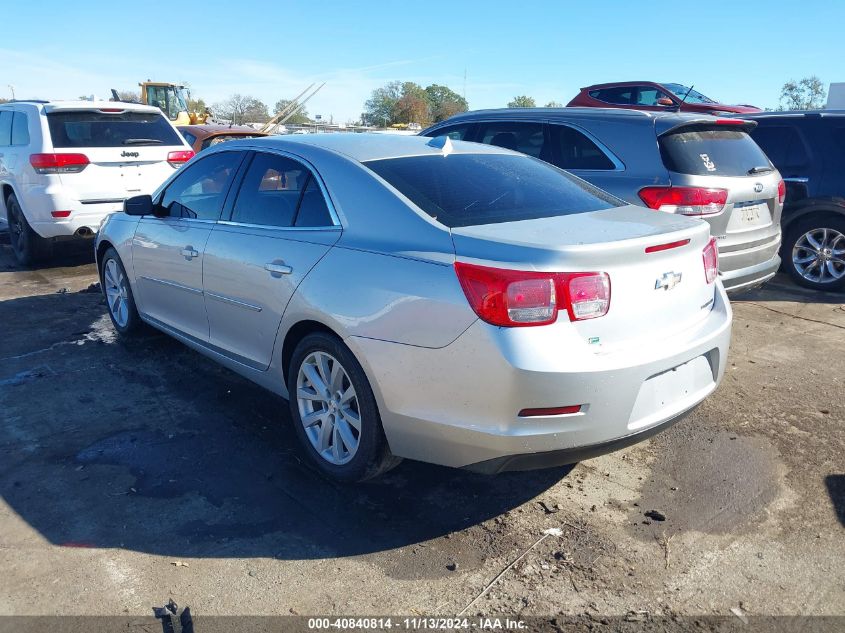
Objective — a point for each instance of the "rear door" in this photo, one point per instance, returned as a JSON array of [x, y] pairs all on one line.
[[280, 227], [167, 252], [128, 150], [723, 156]]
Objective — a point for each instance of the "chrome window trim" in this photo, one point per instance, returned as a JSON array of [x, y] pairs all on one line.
[[336, 223], [269, 227]]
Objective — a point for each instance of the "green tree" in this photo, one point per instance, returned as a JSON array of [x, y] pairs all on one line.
[[196, 105], [522, 101], [443, 102], [412, 106], [806, 94], [553, 104], [301, 116], [378, 109]]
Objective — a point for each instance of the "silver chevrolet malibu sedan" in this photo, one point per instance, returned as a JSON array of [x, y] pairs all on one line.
[[424, 298]]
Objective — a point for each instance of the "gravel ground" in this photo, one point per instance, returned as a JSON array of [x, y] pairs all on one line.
[[132, 474]]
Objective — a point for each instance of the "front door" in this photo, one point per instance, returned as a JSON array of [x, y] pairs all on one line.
[[168, 251], [280, 228]]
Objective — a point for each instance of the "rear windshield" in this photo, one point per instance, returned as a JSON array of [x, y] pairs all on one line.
[[222, 138], [471, 189], [98, 129], [712, 153]]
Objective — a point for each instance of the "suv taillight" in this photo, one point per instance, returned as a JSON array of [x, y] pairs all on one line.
[[58, 163], [710, 255], [177, 159], [512, 298], [685, 200], [781, 191]]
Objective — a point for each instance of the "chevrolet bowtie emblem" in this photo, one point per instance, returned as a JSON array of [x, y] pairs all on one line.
[[667, 281]]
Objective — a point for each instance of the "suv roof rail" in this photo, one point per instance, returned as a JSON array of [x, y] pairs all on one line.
[[28, 101]]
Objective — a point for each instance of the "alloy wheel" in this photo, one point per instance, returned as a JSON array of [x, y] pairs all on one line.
[[17, 232], [819, 255], [328, 408], [117, 292]]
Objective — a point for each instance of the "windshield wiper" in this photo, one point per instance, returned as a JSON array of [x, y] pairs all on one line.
[[142, 141], [762, 169]]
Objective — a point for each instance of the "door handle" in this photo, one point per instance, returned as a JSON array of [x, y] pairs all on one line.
[[277, 268], [189, 253]]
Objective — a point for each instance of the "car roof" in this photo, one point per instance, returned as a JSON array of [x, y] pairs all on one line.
[[78, 104], [211, 129], [365, 146], [612, 84], [774, 114]]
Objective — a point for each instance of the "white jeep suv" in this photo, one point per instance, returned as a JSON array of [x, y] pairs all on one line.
[[66, 165]]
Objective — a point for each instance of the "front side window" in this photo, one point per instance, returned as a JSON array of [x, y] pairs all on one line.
[[783, 145], [712, 152], [200, 190], [280, 192], [472, 189], [20, 129], [648, 96], [454, 132], [81, 128], [576, 151], [687, 95], [526, 137]]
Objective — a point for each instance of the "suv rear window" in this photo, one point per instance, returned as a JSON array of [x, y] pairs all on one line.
[[711, 152], [472, 189], [100, 129]]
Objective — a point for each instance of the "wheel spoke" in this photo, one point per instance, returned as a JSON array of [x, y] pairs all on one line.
[[813, 242], [336, 378], [345, 434], [347, 395], [302, 394], [352, 419], [323, 368], [804, 260], [326, 430], [312, 418], [315, 379]]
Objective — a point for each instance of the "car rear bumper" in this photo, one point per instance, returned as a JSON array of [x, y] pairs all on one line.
[[749, 277], [84, 219], [459, 405]]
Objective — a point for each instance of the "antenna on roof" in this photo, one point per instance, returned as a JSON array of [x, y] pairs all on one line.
[[443, 143], [689, 90]]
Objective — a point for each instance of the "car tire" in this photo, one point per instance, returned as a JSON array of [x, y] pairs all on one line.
[[813, 241], [118, 293], [29, 247], [325, 412]]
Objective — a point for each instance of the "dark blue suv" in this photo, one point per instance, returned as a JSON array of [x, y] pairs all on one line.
[[808, 148]]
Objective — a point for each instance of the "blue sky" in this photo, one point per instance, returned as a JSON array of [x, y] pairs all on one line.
[[737, 52]]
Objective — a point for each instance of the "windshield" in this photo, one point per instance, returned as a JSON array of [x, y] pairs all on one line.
[[80, 128], [693, 97], [169, 99], [472, 189]]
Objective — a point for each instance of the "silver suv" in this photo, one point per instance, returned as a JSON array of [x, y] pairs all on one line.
[[695, 165]]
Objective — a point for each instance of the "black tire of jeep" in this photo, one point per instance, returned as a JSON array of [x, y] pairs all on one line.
[[795, 232], [29, 247], [133, 325], [372, 457]]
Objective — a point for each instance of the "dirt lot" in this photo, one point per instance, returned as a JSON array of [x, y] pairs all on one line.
[[135, 473]]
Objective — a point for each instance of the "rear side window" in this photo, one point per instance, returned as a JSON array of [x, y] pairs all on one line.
[[199, 191], [271, 191], [527, 138], [102, 129], [20, 129], [576, 151], [5, 127], [472, 189], [621, 96], [190, 139], [782, 144], [711, 152]]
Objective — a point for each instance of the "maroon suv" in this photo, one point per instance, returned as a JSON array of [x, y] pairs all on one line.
[[647, 95]]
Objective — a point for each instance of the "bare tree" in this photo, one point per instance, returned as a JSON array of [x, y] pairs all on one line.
[[242, 109], [806, 94]]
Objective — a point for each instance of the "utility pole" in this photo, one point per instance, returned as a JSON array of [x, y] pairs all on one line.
[[465, 84], [12, 88]]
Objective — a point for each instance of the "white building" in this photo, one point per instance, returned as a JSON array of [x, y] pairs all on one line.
[[836, 96]]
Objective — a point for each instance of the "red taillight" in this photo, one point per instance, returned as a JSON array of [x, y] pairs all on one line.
[[60, 214], [781, 191], [685, 200], [180, 158], [711, 260], [530, 413], [512, 298], [665, 247], [731, 122], [58, 163]]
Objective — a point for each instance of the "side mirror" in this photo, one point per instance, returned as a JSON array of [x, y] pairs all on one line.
[[138, 205], [665, 101]]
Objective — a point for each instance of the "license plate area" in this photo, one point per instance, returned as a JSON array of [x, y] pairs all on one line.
[[671, 392], [748, 215]]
